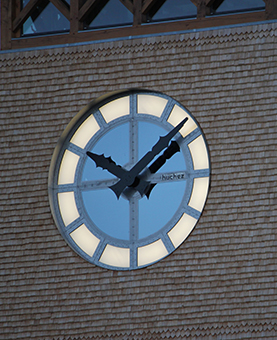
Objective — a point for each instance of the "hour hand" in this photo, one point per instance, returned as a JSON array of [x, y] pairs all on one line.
[[107, 163]]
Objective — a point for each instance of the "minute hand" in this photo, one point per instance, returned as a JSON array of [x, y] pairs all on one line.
[[129, 178]]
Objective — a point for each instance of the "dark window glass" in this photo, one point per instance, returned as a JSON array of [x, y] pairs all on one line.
[[174, 10], [45, 19], [114, 13], [234, 6]]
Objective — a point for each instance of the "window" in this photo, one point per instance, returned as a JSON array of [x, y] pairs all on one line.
[[45, 18], [235, 6], [112, 14], [73, 21], [174, 10]]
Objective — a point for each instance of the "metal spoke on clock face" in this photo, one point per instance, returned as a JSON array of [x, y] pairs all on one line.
[[97, 184], [133, 198]]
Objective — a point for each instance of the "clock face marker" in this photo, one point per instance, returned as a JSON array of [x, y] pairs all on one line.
[[176, 115], [85, 239], [68, 208], [116, 256], [199, 153], [115, 109], [199, 193], [85, 132], [106, 140], [151, 253], [68, 168], [151, 104], [182, 229]]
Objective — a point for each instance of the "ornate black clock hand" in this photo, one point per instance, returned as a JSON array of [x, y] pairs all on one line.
[[129, 178], [107, 163], [159, 162]]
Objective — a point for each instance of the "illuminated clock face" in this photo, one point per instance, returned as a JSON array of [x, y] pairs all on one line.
[[129, 179]]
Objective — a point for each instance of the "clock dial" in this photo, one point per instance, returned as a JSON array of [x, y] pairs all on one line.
[[129, 179]]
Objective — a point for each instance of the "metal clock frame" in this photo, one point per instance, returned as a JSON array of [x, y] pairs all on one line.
[[77, 186]]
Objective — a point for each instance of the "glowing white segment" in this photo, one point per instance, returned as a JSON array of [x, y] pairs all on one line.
[[182, 229], [199, 153], [68, 207], [85, 239], [116, 108], [85, 132], [151, 104], [177, 115], [116, 256], [151, 253], [199, 193], [68, 168]]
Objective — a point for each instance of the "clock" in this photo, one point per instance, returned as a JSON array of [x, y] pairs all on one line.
[[129, 179]]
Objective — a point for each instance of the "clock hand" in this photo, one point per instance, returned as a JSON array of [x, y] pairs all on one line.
[[153, 168], [159, 162], [107, 163], [129, 178]]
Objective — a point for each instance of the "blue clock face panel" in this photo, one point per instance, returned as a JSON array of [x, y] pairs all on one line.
[[129, 179]]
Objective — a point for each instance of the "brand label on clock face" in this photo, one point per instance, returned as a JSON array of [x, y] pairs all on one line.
[[173, 176]]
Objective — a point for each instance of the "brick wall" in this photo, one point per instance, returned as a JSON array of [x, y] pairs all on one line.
[[220, 283]]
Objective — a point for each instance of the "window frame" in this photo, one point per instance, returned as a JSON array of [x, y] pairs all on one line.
[[13, 18]]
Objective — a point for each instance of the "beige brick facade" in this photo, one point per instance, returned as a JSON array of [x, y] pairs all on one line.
[[220, 283]]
